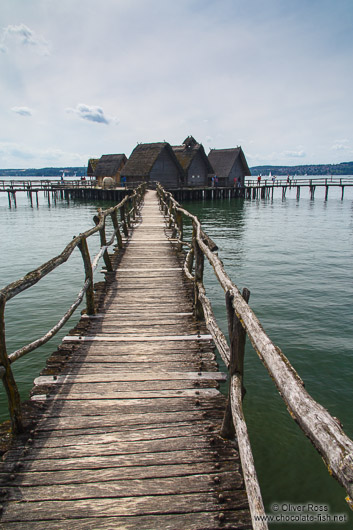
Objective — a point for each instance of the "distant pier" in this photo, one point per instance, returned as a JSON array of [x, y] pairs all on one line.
[[88, 189]]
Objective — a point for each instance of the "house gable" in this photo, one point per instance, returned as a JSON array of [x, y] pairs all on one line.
[[229, 164], [109, 166], [153, 162], [192, 157]]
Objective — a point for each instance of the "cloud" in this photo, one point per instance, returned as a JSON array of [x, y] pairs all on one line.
[[294, 154], [22, 111], [12, 150], [92, 113], [341, 145], [23, 35]]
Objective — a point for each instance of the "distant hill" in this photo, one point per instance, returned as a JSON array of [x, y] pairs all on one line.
[[345, 168], [44, 172]]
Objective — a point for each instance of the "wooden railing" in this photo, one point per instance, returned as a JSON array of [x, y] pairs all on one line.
[[128, 209], [267, 180], [44, 184], [323, 430]]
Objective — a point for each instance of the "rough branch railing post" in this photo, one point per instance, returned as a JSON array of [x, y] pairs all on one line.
[[179, 223], [97, 219], [9, 382], [89, 275], [237, 339], [127, 213], [116, 228], [199, 265], [123, 221]]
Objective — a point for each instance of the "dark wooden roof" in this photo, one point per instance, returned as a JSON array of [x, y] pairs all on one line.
[[143, 157], [222, 161], [109, 165], [186, 153]]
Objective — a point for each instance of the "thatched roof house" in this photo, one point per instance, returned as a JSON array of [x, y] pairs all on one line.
[[155, 162], [92, 164], [193, 159], [229, 164], [109, 166]]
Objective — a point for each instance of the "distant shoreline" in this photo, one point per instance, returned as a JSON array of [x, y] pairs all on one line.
[[344, 168]]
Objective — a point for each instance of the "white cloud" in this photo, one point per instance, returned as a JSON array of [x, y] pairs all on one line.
[[15, 151], [22, 111], [23, 35], [92, 113], [294, 154], [339, 147]]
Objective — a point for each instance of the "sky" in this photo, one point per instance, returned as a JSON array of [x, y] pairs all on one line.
[[83, 78]]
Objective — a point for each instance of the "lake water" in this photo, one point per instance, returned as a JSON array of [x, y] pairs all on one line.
[[296, 259]]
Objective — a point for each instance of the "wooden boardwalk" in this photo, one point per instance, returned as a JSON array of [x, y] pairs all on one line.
[[128, 437]]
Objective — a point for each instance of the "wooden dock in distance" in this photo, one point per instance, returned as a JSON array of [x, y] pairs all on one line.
[[129, 436]]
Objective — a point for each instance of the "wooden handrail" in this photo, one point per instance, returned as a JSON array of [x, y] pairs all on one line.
[[40, 272], [323, 430]]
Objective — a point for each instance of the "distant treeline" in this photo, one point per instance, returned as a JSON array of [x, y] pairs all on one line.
[[345, 168], [44, 172]]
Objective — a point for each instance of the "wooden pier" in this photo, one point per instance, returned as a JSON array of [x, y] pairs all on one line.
[[264, 188], [126, 427], [129, 435]]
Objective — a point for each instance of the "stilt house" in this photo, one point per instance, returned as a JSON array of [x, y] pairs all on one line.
[[155, 162], [229, 164], [109, 166], [92, 164], [193, 159]]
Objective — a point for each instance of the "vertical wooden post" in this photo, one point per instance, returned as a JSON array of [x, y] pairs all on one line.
[[13, 395], [123, 221], [128, 219], [89, 275], [237, 338], [116, 228], [106, 257], [199, 265], [179, 222], [170, 210]]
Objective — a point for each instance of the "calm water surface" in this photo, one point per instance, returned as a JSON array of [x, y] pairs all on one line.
[[296, 259]]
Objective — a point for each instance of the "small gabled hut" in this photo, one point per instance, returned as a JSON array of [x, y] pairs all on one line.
[[229, 164], [155, 162], [193, 159], [109, 166], [91, 167]]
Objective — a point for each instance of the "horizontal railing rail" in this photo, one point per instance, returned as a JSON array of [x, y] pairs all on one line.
[[323, 430], [45, 184], [128, 209], [280, 181]]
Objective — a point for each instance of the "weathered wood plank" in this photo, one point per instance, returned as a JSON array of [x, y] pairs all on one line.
[[127, 506], [128, 376], [120, 460], [142, 394], [83, 476], [128, 488], [190, 521]]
